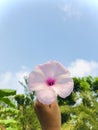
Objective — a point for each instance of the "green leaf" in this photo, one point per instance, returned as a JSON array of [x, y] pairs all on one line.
[[7, 101], [7, 92]]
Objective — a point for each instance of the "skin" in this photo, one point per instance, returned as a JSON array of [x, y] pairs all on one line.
[[49, 115], [2, 128]]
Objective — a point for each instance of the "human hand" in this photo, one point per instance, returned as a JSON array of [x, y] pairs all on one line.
[[48, 115]]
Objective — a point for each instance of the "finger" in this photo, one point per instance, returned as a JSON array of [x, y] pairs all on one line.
[[45, 106], [54, 105], [40, 106]]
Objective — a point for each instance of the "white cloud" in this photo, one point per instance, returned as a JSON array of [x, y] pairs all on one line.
[[10, 80], [71, 11], [80, 68], [89, 2]]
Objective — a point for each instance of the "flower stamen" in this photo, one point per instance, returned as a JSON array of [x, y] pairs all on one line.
[[50, 82]]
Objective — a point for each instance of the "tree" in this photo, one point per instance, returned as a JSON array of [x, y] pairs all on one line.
[[8, 111], [80, 109]]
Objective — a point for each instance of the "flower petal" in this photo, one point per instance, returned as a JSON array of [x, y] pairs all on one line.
[[46, 96], [59, 69], [62, 79], [47, 69], [53, 69], [64, 90], [36, 81]]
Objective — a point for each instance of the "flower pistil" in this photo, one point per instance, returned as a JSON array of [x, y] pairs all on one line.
[[50, 82]]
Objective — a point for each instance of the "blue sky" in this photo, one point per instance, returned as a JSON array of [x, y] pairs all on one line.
[[35, 31]]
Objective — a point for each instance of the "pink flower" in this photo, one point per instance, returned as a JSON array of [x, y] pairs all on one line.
[[49, 80]]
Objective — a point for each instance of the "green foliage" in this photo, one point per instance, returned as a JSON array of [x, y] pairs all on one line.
[[7, 92], [79, 111], [7, 101], [81, 114], [27, 116], [7, 109], [69, 100], [9, 123], [76, 84], [4, 96], [95, 85], [20, 98], [84, 86]]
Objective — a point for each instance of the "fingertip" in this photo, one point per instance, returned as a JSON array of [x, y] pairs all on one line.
[[38, 104]]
